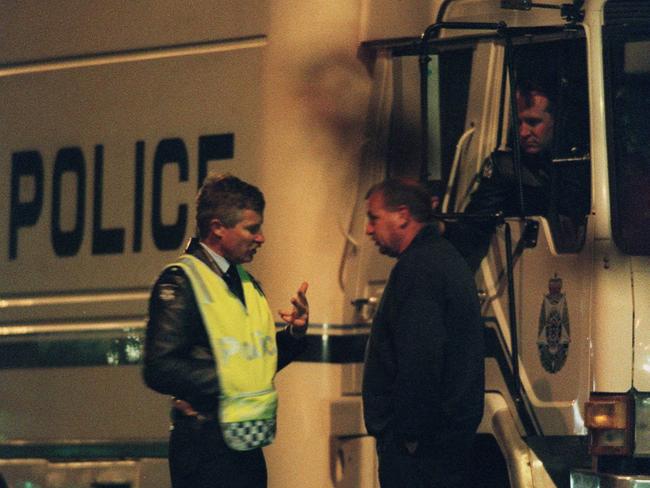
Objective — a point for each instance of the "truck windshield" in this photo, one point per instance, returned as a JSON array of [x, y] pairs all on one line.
[[628, 97]]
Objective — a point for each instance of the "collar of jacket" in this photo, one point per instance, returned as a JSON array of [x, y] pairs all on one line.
[[427, 233], [195, 248]]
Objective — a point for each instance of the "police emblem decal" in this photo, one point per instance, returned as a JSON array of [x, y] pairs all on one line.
[[554, 333]]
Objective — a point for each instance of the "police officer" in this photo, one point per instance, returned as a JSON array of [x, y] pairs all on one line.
[[211, 343]]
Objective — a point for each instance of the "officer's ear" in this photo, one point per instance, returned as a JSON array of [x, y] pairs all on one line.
[[217, 228]]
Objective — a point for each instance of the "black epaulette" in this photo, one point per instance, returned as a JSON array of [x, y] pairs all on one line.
[[256, 284], [501, 162]]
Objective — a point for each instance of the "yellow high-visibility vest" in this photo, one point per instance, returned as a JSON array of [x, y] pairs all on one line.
[[243, 342]]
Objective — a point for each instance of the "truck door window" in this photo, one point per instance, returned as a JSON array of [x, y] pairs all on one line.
[[448, 86], [553, 114], [628, 97]]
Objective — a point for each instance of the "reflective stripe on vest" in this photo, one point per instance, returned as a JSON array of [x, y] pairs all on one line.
[[243, 342]]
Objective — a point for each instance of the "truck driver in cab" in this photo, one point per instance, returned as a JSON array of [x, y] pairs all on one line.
[[548, 190]]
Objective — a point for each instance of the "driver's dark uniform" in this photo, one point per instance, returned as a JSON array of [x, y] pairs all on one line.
[[554, 191]]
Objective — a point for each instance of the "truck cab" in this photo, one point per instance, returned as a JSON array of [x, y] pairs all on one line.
[[564, 293]]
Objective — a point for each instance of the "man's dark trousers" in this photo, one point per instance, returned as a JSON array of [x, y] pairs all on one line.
[[444, 466], [199, 458]]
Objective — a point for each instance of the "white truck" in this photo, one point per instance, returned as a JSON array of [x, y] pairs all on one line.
[[565, 308], [112, 113]]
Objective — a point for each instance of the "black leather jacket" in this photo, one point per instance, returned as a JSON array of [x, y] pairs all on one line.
[[178, 359]]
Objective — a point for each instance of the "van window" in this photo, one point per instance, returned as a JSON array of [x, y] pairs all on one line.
[[628, 97], [553, 112]]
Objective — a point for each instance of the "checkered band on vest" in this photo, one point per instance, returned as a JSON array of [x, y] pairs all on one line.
[[249, 434]]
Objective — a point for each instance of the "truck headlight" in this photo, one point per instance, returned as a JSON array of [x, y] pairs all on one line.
[[609, 420], [642, 424]]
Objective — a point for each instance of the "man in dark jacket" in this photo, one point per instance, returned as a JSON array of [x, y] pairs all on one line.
[[211, 344], [424, 373]]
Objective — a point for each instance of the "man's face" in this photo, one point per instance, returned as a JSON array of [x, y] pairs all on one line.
[[535, 124], [383, 225], [238, 244]]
